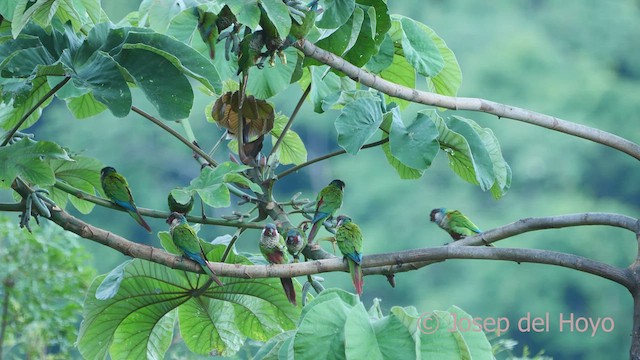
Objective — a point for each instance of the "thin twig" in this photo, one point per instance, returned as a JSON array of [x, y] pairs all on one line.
[[35, 107], [291, 118], [177, 135], [327, 156]]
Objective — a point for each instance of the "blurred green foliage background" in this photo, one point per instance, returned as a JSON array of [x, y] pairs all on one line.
[[572, 59]]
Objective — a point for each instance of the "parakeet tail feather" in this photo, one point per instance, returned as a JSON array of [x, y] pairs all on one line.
[[289, 290], [314, 231], [138, 218], [356, 276], [210, 272]]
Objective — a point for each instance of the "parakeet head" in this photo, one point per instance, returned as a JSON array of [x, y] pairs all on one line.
[[294, 237], [343, 219], [270, 230], [175, 219], [338, 183], [106, 171], [437, 214]]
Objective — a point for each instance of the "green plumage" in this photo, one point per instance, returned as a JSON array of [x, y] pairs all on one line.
[[328, 201], [349, 239], [186, 240], [454, 223], [116, 188], [208, 29]]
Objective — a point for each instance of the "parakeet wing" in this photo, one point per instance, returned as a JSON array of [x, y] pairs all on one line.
[[349, 239], [461, 224]]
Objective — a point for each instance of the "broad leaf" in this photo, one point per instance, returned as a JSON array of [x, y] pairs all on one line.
[[419, 49], [138, 321], [357, 122], [85, 106], [270, 81], [324, 85], [83, 173], [336, 13], [292, 149], [342, 39], [12, 113], [405, 172], [29, 160], [210, 185], [278, 14], [417, 144]]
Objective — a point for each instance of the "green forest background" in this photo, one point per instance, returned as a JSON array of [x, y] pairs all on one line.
[[573, 59]]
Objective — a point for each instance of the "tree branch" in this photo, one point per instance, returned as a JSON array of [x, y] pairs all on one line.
[[327, 156], [381, 263], [24, 118], [177, 135], [472, 104], [150, 212]]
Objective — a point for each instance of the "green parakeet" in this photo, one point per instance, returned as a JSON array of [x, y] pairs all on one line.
[[208, 29], [251, 51], [300, 27], [454, 223], [349, 239], [296, 242], [329, 200], [186, 240], [273, 249], [175, 206], [116, 188]]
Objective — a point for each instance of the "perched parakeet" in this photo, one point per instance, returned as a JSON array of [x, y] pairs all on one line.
[[296, 242], [273, 249], [251, 51], [300, 27], [186, 240], [208, 29], [116, 188], [175, 206], [349, 239], [455, 223], [329, 200]]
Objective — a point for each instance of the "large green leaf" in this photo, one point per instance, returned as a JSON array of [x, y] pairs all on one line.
[[342, 39], [419, 49], [29, 160], [448, 80], [85, 106], [83, 173], [278, 14], [320, 333], [271, 349], [357, 122], [335, 13], [324, 85], [480, 157], [12, 113], [138, 321], [291, 150], [246, 11], [163, 84], [415, 145], [405, 172], [210, 185], [367, 338], [384, 57], [270, 81]]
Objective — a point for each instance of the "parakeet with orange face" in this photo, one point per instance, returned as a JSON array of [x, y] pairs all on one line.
[[274, 250], [116, 188]]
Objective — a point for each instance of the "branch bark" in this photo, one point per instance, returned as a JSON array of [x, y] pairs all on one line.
[[464, 103]]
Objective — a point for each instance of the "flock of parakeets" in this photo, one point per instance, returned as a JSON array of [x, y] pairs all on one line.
[[273, 246]]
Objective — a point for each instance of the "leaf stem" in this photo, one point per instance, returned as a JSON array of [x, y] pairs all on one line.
[[291, 118], [327, 156], [177, 135], [24, 118]]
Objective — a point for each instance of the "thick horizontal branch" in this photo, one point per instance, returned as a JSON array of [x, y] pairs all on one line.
[[553, 222], [472, 104], [372, 264]]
